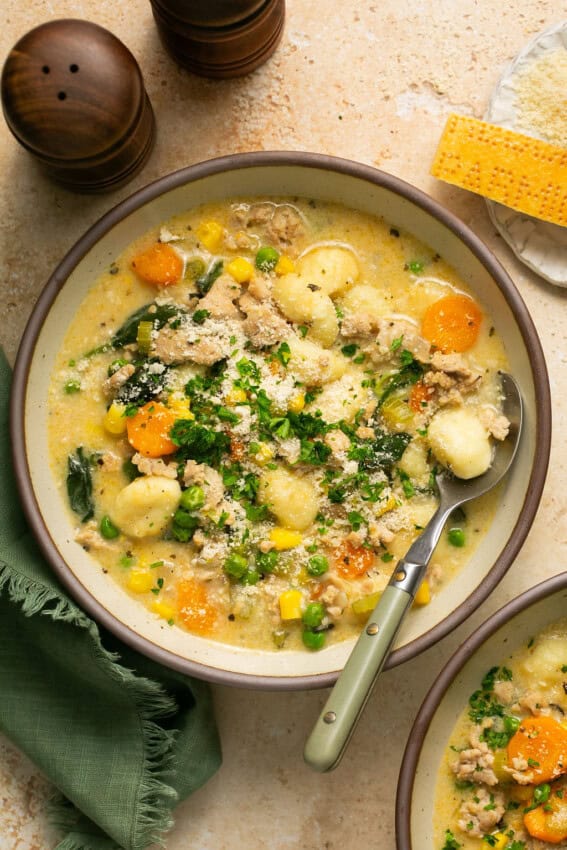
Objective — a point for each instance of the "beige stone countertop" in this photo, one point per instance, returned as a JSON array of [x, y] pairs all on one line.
[[367, 80]]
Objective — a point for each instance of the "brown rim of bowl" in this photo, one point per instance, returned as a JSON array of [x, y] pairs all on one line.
[[311, 161], [441, 685]]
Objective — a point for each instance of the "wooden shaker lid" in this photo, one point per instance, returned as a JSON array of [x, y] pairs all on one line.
[[73, 95]]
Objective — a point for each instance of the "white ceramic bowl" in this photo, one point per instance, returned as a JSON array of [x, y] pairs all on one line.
[[279, 173], [505, 631]]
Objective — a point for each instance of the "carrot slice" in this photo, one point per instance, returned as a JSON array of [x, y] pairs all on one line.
[[548, 822], [148, 430], [452, 323], [542, 742], [159, 265], [420, 396], [196, 611], [352, 561]]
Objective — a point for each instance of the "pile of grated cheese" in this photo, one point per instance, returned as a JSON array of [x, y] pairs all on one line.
[[541, 97]]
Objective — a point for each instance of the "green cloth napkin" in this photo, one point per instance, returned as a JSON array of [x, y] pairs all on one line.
[[122, 738]]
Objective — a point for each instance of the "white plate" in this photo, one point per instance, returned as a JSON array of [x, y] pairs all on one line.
[[538, 244]]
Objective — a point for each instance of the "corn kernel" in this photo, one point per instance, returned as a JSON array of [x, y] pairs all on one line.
[[497, 840], [383, 507], [210, 234], [264, 454], [423, 595], [180, 405], [290, 604], [164, 610], [114, 421], [366, 604], [284, 266], [297, 404], [284, 538], [235, 396], [140, 581], [240, 269]]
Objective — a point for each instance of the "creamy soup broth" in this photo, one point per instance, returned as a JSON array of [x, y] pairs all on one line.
[[259, 440]]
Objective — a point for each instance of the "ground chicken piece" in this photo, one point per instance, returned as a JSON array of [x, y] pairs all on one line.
[[357, 538], [89, 537], [260, 288], [475, 764], [504, 692], [110, 462], [520, 771], [434, 576], [154, 466], [118, 378], [207, 478], [171, 346], [263, 325], [451, 371], [285, 226], [360, 324], [380, 534], [335, 601], [495, 423], [391, 330], [453, 363], [238, 241], [337, 441], [481, 813], [220, 297], [365, 433], [536, 703], [254, 215]]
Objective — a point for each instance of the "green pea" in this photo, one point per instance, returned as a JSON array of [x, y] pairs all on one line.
[[116, 365], [457, 537], [313, 614], [71, 387], [317, 565], [266, 561], [267, 259], [251, 577], [236, 565], [313, 640], [541, 793], [183, 519], [107, 528], [511, 724], [192, 498]]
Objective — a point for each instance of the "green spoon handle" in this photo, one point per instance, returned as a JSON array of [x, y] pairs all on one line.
[[337, 721]]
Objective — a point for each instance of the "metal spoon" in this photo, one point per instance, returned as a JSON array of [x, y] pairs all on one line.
[[336, 723]]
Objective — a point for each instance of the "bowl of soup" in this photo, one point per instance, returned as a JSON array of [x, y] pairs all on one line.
[[233, 398], [485, 764]]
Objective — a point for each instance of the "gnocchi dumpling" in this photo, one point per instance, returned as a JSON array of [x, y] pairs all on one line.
[[312, 364], [301, 303], [546, 662], [366, 299], [145, 507], [331, 267], [414, 462], [460, 441], [342, 399], [291, 499]]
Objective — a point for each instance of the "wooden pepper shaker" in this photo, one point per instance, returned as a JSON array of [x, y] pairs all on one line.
[[219, 38], [74, 97]]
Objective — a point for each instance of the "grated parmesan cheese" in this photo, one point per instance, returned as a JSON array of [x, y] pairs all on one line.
[[541, 97]]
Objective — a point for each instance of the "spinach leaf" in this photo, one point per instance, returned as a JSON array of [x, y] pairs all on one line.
[[157, 314], [409, 374], [381, 452], [80, 484], [149, 379], [206, 280]]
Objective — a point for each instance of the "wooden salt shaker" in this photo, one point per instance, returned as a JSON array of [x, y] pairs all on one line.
[[219, 38], [74, 97]]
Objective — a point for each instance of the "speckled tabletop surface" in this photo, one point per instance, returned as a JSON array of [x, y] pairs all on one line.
[[372, 82]]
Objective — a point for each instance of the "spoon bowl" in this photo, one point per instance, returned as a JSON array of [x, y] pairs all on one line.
[[337, 721]]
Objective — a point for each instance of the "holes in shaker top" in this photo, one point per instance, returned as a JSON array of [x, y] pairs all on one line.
[[46, 69], [61, 95], [73, 68]]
